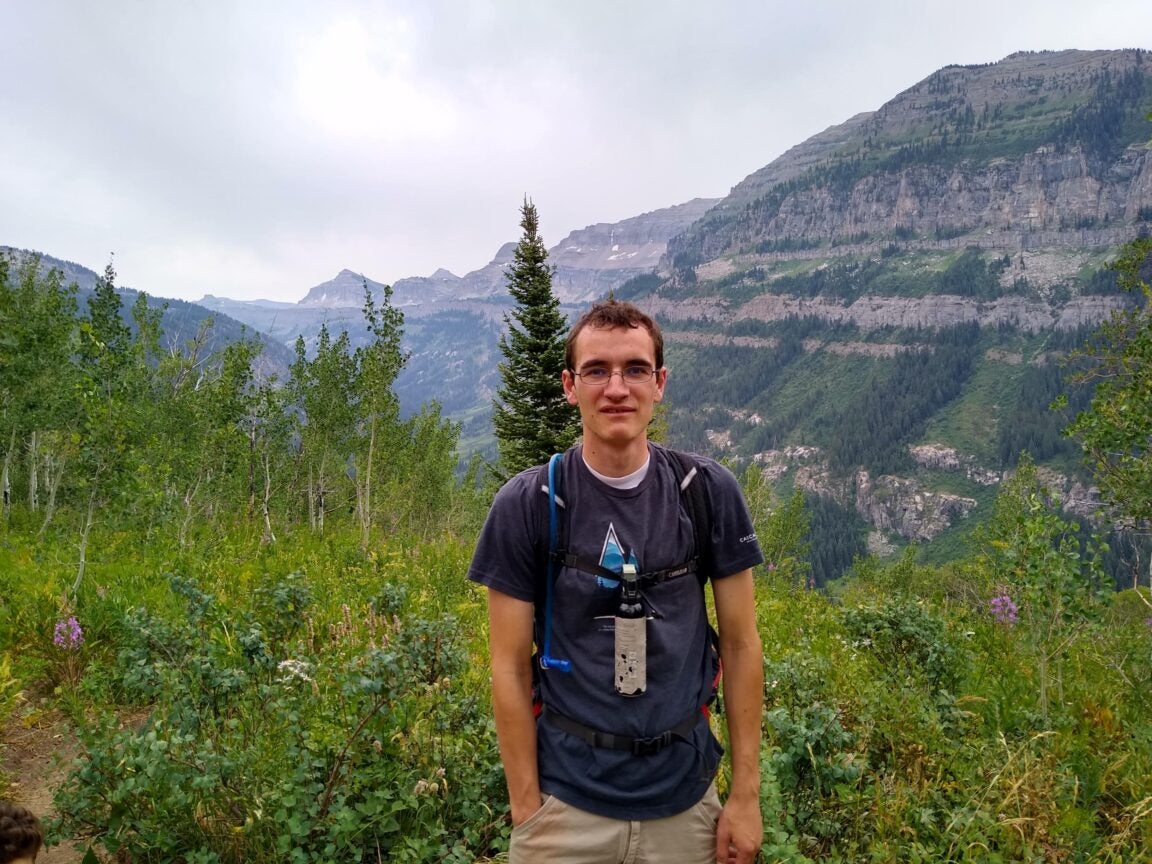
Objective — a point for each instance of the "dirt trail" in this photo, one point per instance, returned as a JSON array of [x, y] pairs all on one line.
[[35, 750]]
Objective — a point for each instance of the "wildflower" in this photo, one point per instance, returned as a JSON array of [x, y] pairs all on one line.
[[68, 634], [293, 670], [1003, 609]]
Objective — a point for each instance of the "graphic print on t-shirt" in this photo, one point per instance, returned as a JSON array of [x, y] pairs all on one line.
[[612, 558]]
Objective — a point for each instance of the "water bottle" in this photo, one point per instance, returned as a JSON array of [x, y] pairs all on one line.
[[631, 637]]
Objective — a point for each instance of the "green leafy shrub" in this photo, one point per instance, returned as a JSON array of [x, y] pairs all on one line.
[[908, 641], [272, 738]]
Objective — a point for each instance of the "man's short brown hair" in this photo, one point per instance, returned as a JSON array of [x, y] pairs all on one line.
[[20, 833], [608, 315]]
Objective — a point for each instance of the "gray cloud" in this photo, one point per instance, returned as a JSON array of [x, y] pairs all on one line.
[[255, 149]]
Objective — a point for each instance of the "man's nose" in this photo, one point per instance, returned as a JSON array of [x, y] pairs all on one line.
[[616, 383]]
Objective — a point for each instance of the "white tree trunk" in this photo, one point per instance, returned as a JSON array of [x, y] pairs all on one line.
[[311, 500], [265, 505], [364, 488], [53, 473], [33, 471], [189, 512], [83, 564], [5, 476]]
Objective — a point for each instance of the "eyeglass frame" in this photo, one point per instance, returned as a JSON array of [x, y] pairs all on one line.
[[652, 372]]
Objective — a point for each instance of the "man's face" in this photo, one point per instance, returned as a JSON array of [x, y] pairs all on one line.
[[615, 413]]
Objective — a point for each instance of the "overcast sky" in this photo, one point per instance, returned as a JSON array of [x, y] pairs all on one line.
[[254, 149]]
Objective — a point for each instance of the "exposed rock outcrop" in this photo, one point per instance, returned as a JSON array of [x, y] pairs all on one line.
[[902, 506], [938, 457]]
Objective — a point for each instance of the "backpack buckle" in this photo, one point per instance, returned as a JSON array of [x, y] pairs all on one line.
[[651, 746]]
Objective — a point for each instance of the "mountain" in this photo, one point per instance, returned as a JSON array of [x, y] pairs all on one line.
[[589, 263], [879, 316], [452, 323], [181, 320], [1040, 151]]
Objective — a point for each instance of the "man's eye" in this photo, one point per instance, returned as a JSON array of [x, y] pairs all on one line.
[[596, 375]]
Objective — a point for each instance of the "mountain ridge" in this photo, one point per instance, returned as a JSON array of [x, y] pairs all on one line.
[[589, 262]]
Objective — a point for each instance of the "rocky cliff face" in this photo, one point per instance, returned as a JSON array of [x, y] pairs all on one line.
[[874, 312], [593, 260], [344, 289], [1038, 150], [900, 505], [902, 508]]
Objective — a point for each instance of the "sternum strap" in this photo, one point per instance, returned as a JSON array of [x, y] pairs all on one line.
[[653, 577]]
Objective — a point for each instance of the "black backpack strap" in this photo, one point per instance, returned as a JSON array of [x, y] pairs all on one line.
[[542, 549], [694, 491]]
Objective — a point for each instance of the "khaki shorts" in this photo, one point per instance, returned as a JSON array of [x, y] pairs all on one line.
[[559, 833]]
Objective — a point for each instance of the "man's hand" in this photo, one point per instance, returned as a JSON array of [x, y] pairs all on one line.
[[510, 641], [739, 832], [522, 811]]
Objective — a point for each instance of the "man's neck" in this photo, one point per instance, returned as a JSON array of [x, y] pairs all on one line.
[[616, 462]]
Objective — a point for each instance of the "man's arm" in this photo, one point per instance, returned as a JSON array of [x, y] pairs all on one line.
[[510, 643], [740, 830]]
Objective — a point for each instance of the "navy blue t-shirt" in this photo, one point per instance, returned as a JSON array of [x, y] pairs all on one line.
[[647, 526]]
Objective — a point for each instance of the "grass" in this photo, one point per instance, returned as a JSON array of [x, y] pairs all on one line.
[[869, 754]]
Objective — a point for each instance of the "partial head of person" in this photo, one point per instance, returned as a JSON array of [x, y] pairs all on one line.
[[21, 835], [614, 373], [614, 314]]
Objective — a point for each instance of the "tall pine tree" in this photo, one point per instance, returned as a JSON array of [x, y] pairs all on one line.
[[532, 418]]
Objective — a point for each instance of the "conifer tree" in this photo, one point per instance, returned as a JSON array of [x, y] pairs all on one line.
[[1116, 429], [531, 416]]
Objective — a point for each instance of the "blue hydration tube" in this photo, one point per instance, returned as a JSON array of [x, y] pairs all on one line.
[[547, 661]]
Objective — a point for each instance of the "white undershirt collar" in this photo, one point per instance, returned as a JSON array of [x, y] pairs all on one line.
[[628, 481]]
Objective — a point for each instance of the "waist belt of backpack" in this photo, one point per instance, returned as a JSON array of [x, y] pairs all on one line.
[[611, 741]]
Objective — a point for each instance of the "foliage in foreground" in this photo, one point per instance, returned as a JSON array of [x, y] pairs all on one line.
[[313, 701], [242, 715]]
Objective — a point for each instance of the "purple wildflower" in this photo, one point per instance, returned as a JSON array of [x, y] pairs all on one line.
[[1148, 622], [68, 634], [1003, 609]]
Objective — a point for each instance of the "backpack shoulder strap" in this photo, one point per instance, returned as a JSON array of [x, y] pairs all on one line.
[[547, 548], [694, 493]]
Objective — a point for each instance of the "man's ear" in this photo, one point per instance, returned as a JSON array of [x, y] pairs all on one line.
[[661, 380], [569, 382]]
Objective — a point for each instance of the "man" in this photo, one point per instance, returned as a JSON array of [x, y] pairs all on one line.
[[609, 774]]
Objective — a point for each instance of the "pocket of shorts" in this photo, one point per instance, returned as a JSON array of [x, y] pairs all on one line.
[[708, 808], [536, 817]]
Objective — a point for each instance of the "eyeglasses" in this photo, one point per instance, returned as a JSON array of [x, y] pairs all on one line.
[[599, 376]]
